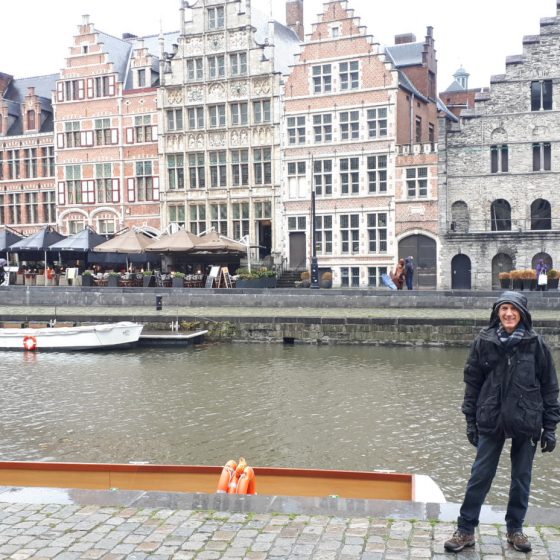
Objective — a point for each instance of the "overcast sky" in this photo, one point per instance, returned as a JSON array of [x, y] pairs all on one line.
[[478, 34]]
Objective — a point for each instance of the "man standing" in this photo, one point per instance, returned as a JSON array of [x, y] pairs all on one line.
[[409, 271], [511, 392]]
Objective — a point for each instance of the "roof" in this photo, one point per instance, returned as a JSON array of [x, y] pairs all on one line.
[[406, 54], [404, 80]]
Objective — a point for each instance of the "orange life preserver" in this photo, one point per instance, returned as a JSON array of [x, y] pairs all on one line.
[[247, 483], [29, 343], [50, 273], [228, 473]]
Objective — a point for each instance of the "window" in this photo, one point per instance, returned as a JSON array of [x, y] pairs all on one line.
[[30, 162], [218, 169], [499, 158], [47, 162], [377, 174], [350, 175], [377, 232], [195, 69], [238, 64], [240, 168], [2, 162], [49, 207], [175, 172], [144, 182], [218, 218], [541, 95], [196, 171], [541, 156], [103, 132], [174, 119], [324, 235], [14, 164], [350, 276], [297, 183], [296, 130], [73, 175], [297, 223], [322, 127], [197, 218], [217, 115], [141, 78], [350, 233], [103, 86], [322, 177], [349, 75], [73, 90], [196, 117], [500, 215], [106, 226], [263, 210], [541, 214], [377, 122], [176, 214], [216, 17], [374, 275], [103, 182], [418, 129], [72, 137], [349, 125], [240, 215], [262, 163], [239, 113], [216, 67], [143, 128], [31, 202], [322, 78], [31, 120], [417, 182], [431, 133], [15, 208], [261, 111]]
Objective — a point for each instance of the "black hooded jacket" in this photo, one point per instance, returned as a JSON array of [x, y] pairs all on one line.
[[511, 391]]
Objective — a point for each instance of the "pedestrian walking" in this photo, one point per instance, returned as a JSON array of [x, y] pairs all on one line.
[[542, 278], [399, 276], [511, 392], [409, 271]]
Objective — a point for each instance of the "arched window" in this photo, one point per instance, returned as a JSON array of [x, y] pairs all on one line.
[[459, 217], [545, 257], [31, 120], [541, 214], [500, 263], [500, 215]]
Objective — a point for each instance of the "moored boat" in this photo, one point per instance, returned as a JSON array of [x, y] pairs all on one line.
[[83, 337], [195, 479]]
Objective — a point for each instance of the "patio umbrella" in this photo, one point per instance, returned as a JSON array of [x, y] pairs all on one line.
[[181, 241], [214, 242], [128, 243], [82, 242], [39, 241], [8, 237]]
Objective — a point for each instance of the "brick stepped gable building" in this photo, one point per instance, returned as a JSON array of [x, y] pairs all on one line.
[[499, 198], [106, 132], [360, 128], [27, 159], [220, 107]]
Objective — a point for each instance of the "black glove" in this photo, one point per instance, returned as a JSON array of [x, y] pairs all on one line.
[[472, 433], [548, 441]]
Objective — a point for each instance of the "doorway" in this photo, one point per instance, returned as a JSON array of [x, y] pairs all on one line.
[[298, 254], [423, 249], [460, 272]]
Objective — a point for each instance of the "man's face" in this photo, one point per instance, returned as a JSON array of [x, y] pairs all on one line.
[[509, 317]]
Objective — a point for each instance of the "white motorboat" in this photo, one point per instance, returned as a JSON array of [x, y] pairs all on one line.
[[85, 337]]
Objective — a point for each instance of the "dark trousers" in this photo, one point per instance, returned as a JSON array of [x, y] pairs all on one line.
[[482, 473], [409, 279]]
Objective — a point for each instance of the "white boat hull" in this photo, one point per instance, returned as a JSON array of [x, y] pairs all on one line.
[[85, 337]]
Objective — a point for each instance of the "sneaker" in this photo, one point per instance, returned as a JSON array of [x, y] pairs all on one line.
[[519, 541], [459, 541]]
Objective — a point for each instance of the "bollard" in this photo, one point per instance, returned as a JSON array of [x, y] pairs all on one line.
[[159, 303]]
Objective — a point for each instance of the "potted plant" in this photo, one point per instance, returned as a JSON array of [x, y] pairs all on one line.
[[149, 280], [177, 279], [113, 279], [505, 280], [260, 278], [516, 279], [87, 278], [305, 279], [326, 280], [528, 276], [553, 276]]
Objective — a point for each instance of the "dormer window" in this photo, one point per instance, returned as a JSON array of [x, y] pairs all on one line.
[[85, 49], [335, 31], [142, 78], [216, 17], [31, 120]]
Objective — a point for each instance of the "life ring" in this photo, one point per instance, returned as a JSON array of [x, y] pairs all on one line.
[[228, 473], [29, 343], [247, 483]]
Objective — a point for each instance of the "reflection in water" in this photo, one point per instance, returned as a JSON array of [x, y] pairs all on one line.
[[293, 406]]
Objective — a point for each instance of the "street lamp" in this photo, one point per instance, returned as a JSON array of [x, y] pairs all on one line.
[[314, 266]]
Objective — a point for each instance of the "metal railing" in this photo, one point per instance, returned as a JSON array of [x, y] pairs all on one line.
[[511, 226]]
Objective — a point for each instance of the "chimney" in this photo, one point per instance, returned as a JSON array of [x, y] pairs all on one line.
[[294, 17], [405, 38]]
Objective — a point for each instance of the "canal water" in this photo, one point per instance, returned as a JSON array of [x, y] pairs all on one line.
[[341, 407]]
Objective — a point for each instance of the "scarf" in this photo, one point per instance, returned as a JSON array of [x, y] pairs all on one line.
[[510, 340]]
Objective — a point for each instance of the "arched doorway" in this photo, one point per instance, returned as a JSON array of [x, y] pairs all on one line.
[[546, 258], [460, 272], [500, 263], [424, 251]]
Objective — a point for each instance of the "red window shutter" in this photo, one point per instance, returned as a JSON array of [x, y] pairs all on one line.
[[60, 140], [60, 91], [116, 194], [111, 85], [81, 91], [154, 132], [61, 192], [114, 136], [90, 87], [130, 136], [89, 137], [88, 191], [131, 189], [156, 188]]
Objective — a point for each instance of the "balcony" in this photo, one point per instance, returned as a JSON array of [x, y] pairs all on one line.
[[504, 226], [417, 149]]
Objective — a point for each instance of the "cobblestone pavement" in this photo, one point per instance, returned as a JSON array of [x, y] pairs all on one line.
[[68, 532]]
